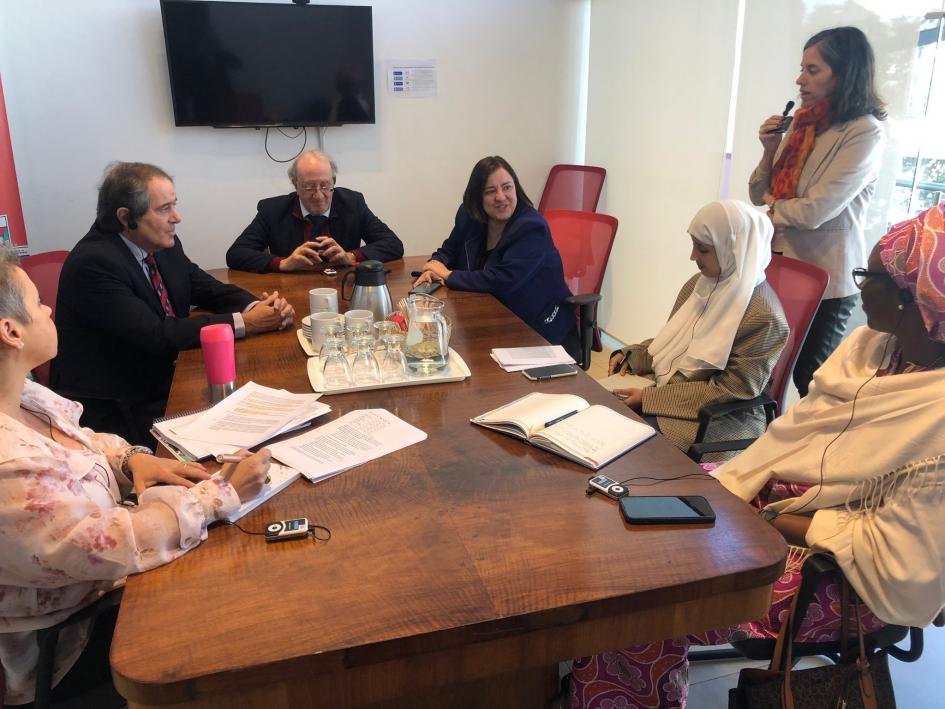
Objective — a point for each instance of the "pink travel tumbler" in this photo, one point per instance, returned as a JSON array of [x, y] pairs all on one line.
[[219, 359]]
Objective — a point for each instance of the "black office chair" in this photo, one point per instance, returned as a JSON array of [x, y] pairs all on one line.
[[813, 570], [48, 639]]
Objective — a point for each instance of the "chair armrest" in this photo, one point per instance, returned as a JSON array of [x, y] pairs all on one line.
[[815, 567], [109, 600], [583, 299], [712, 411], [698, 450], [587, 305]]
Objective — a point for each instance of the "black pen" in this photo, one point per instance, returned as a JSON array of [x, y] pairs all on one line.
[[561, 418]]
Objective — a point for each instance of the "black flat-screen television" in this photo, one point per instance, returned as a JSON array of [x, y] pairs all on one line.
[[234, 64]]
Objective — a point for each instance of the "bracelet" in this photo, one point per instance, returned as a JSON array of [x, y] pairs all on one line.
[[126, 456]]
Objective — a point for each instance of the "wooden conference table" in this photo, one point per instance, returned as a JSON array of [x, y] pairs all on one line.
[[460, 570]]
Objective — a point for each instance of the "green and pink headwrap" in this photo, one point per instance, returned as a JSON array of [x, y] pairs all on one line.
[[913, 253]]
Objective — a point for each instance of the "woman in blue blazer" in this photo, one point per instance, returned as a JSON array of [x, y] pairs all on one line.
[[501, 245]]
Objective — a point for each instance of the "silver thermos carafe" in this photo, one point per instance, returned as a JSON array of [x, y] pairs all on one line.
[[370, 289]]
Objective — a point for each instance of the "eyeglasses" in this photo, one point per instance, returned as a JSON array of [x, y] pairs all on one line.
[[861, 274], [324, 187]]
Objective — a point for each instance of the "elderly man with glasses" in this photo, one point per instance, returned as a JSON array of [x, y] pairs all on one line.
[[315, 226]]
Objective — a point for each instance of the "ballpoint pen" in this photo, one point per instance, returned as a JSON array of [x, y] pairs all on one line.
[[230, 461], [560, 418]]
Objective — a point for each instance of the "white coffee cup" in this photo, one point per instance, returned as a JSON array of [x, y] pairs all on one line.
[[358, 316], [320, 324], [323, 300]]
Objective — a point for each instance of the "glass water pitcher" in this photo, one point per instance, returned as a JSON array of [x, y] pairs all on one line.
[[427, 347]]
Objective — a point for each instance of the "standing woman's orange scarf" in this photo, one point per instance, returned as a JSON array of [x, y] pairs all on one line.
[[808, 123]]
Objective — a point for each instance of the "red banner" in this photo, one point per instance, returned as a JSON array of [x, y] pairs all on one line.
[[12, 227]]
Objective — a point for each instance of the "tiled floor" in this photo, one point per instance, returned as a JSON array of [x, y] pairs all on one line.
[[916, 684]]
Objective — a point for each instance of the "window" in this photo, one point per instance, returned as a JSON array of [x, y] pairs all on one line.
[[920, 183]]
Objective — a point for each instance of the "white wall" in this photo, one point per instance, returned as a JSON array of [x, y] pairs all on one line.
[[658, 98], [660, 80], [86, 83]]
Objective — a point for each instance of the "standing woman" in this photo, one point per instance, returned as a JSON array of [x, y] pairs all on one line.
[[501, 245], [818, 181]]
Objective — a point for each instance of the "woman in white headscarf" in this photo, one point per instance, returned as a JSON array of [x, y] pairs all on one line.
[[724, 336]]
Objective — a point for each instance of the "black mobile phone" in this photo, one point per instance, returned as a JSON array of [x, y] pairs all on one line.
[[675, 509], [425, 288], [550, 372]]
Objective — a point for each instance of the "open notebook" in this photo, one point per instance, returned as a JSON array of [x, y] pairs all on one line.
[[567, 426], [625, 381]]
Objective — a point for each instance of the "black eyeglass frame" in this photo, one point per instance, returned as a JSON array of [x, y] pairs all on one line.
[[861, 274]]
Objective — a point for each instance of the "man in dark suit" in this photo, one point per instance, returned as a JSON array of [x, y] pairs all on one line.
[[317, 225], [123, 309]]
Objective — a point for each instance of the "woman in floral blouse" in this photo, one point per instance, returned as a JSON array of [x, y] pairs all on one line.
[[65, 536]]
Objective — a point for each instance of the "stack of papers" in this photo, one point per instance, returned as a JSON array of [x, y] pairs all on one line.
[[348, 441], [249, 416], [515, 359]]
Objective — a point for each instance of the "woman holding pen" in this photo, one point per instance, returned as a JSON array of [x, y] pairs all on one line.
[[723, 338], [67, 537]]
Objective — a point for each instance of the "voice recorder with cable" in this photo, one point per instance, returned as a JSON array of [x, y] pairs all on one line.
[[286, 529], [611, 488]]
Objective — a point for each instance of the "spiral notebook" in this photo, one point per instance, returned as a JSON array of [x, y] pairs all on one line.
[[189, 449], [184, 449]]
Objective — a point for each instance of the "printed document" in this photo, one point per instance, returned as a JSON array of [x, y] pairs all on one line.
[[514, 359], [348, 441], [250, 415]]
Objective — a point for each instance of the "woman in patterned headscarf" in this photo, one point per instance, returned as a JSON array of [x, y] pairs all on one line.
[[856, 469], [818, 181]]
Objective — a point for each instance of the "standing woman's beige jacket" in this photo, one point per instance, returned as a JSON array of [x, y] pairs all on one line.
[[824, 224]]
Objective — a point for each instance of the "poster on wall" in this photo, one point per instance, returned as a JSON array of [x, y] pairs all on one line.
[[412, 79], [12, 227]]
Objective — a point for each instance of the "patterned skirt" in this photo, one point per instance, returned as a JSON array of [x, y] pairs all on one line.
[[656, 675]]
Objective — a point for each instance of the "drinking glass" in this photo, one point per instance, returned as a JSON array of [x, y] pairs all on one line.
[[394, 364], [383, 329], [336, 372], [335, 329], [357, 329], [365, 369]]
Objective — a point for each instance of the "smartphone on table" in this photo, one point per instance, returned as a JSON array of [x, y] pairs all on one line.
[[425, 288], [670, 509], [536, 374]]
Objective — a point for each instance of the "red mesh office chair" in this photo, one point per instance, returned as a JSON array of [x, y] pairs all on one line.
[[799, 286], [576, 187], [584, 240], [43, 269]]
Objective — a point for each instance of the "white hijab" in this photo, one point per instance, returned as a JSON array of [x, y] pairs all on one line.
[[700, 333]]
